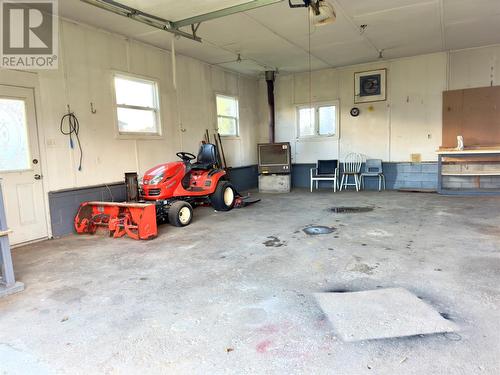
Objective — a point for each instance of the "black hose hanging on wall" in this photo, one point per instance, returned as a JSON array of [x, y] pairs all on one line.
[[73, 128], [270, 76]]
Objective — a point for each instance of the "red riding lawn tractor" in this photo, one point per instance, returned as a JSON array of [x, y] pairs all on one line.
[[168, 193], [177, 187]]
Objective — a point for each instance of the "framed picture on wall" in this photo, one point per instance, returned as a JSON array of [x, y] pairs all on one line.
[[370, 86]]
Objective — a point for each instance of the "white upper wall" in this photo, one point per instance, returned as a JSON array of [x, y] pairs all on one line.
[[476, 67], [408, 122], [88, 58]]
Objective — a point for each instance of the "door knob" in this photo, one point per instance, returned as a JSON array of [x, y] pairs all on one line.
[[38, 177]]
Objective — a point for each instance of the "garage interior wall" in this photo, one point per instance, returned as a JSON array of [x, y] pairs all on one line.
[[88, 59], [408, 122]]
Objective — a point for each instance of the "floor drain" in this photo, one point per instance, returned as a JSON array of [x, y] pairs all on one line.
[[350, 210], [453, 336], [318, 229]]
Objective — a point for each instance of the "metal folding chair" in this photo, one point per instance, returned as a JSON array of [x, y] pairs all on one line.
[[326, 170]]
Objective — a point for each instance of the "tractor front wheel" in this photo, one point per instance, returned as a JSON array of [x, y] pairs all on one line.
[[224, 197], [180, 214]]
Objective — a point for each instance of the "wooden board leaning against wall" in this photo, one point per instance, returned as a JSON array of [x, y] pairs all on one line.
[[475, 115]]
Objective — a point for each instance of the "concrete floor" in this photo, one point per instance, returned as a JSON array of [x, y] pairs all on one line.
[[232, 293]]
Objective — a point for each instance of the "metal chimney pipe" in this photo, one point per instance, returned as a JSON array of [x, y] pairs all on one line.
[[270, 77]]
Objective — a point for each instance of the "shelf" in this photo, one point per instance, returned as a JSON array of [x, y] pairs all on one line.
[[469, 155], [470, 151]]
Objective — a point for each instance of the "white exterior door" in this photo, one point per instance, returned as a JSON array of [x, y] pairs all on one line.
[[20, 171]]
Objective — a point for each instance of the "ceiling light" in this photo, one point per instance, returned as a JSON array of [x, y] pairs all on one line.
[[322, 13]]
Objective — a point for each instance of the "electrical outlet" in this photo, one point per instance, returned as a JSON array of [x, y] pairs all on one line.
[[51, 142]]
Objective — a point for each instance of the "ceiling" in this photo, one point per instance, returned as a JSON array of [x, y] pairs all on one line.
[[277, 37]]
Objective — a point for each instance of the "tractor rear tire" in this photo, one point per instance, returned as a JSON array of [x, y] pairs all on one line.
[[180, 214], [224, 197]]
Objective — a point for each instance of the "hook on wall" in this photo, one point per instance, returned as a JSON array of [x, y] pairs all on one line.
[[92, 108]]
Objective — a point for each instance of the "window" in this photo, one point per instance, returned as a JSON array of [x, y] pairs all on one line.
[[317, 120], [227, 115], [137, 105], [14, 148]]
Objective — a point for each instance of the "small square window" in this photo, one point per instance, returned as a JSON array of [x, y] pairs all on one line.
[[227, 115], [317, 120], [137, 105]]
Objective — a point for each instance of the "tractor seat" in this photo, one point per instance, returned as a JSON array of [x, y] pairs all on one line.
[[207, 157]]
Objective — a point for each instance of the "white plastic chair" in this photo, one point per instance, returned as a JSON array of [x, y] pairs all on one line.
[[351, 167]]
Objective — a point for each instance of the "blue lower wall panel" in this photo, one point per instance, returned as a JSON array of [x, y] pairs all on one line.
[[245, 178], [301, 175], [64, 204], [397, 176]]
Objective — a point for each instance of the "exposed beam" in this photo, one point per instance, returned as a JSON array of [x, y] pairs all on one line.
[[137, 15], [224, 12]]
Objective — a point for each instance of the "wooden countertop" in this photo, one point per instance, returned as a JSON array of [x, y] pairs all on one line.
[[469, 151]]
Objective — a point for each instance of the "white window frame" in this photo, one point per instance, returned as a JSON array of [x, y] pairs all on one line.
[[316, 106], [138, 135], [237, 118]]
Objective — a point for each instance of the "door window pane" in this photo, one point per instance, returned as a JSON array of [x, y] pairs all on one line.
[[327, 120], [14, 147], [136, 121], [306, 121]]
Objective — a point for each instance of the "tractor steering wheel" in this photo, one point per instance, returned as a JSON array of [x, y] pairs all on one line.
[[186, 156]]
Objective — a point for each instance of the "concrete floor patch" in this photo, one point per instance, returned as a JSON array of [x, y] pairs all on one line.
[[381, 314]]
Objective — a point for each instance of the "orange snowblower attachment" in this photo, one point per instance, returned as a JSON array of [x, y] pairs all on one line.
[[136, 220]]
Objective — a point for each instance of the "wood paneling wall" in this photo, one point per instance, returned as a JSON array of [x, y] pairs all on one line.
[[474, 114]]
